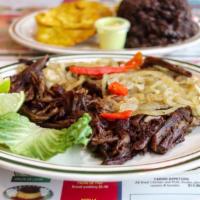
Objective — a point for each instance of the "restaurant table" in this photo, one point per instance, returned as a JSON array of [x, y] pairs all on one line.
[[183, 186]]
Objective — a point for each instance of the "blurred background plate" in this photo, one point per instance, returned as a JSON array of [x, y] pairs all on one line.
[[23, 30]]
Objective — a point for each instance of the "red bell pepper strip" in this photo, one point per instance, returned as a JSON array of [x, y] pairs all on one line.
[[96, 71], [120, 115], [135, 62], [118, 89]]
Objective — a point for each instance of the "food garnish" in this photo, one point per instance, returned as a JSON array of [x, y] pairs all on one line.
[[118, 89], [26, 138], [120, 115], [11, 102], [96, 71], [5, 85], [133, 63]]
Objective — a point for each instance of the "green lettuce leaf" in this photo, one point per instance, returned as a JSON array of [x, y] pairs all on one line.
[[26, 138]]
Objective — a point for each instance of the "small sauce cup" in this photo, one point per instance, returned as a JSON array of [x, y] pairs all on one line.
[[112, 32]]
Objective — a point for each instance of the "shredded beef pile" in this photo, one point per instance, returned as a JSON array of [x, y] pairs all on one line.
[[152, 61], [120, 140], [115, 141], [157, 22], [52, 107]]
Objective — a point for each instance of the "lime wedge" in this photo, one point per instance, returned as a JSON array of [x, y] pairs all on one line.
[[11, 102], [5, 85]]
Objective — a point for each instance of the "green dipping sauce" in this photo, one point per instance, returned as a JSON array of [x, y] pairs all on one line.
[[112, 32]]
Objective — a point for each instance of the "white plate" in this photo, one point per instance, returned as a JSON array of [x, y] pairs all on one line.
[[23, 30], [78, 164]]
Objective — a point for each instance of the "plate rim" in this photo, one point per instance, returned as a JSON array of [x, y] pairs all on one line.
[[33, 163], [118, 176], [71, 50]]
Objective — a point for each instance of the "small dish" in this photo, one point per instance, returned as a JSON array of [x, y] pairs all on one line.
[[112, 32]]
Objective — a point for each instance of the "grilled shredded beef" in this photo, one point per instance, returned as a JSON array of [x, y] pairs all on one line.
[[152, 61], [173, 130], [115, 141], [140, 133]]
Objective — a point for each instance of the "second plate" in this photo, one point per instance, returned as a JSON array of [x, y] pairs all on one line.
[[23, 30]]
